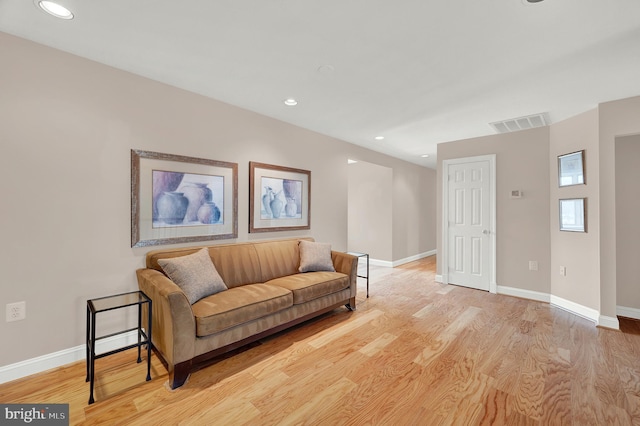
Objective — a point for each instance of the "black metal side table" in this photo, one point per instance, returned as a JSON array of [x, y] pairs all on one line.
[[358, 254], [109, 303]]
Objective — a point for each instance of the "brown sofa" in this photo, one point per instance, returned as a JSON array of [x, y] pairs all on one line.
[[266, 294]]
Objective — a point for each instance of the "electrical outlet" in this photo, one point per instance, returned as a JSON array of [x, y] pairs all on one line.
[[16, 311], [533, 265], [563, 271]]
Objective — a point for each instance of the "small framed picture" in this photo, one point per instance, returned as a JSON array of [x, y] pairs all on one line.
[[279, 198], [571, 169], [178, 199], [573, 214]]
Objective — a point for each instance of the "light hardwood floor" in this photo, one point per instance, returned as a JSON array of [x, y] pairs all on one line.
[[415, 353]]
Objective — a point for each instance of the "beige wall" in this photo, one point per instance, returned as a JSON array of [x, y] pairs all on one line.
[[66, 129], [628, 221], [522, 224], [617, 118], [578, 252], [370, 210]]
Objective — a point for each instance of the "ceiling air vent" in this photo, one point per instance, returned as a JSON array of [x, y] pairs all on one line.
[[521, 123]]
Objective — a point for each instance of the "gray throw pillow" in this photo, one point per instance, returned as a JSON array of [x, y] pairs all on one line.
[[195, 274], [315, 257]]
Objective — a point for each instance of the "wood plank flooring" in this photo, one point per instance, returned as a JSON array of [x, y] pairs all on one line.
[[415, 353]]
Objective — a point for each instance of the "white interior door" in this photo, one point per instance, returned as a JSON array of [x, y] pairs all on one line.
[[470, 255]]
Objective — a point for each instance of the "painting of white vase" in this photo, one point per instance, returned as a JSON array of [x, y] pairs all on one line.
[[281, 198]]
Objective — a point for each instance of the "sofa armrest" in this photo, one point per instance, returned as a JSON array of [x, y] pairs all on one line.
[[174, 326], [347, 264]]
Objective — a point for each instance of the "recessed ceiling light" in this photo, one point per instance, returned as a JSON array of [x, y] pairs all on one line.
[[326, 69], [290, 102], [379, 138], [55, 9], [534, 1], [350, 161], [425, 156]]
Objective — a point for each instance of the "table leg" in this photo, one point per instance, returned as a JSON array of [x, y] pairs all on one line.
[[367, 276], [149, 342], [139, 331], [86, 342], [92, 356]]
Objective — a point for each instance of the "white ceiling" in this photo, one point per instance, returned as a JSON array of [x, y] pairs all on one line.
[[418, 72]]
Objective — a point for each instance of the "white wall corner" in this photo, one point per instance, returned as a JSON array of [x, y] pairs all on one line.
[[628, 312], [575, 308], [523, 294], [608, 322], [66, 356]]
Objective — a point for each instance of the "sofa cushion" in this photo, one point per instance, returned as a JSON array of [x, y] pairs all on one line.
[[315, 257], [195, 274], [239, 305], [277, 258], [238, 264], [312, 285]]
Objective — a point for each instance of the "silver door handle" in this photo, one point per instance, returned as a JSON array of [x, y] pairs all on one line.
[[485, 232]]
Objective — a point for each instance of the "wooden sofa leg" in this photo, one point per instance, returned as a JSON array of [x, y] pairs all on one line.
[[352, 304], [179, 375]]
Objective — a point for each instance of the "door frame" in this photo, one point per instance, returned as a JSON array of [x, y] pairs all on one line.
[[491, 158]]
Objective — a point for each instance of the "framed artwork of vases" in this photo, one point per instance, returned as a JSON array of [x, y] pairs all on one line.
[[178, 199], [279, 198]]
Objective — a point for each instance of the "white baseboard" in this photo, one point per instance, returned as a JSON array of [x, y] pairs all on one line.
[[384, 263], [414, 258], [609, 322], [567, 305], [439, 279], [523, 294], [63, 357], [575, 308], [393, 264], [628, 312]]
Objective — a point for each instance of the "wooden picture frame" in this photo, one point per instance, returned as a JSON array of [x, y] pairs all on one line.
[[178, 199], [571, 169], [279, 198], [573, 214]]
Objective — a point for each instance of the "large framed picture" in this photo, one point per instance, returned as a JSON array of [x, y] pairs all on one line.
[[571, 170], [573, 215], [178, 199], [279, 198]]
